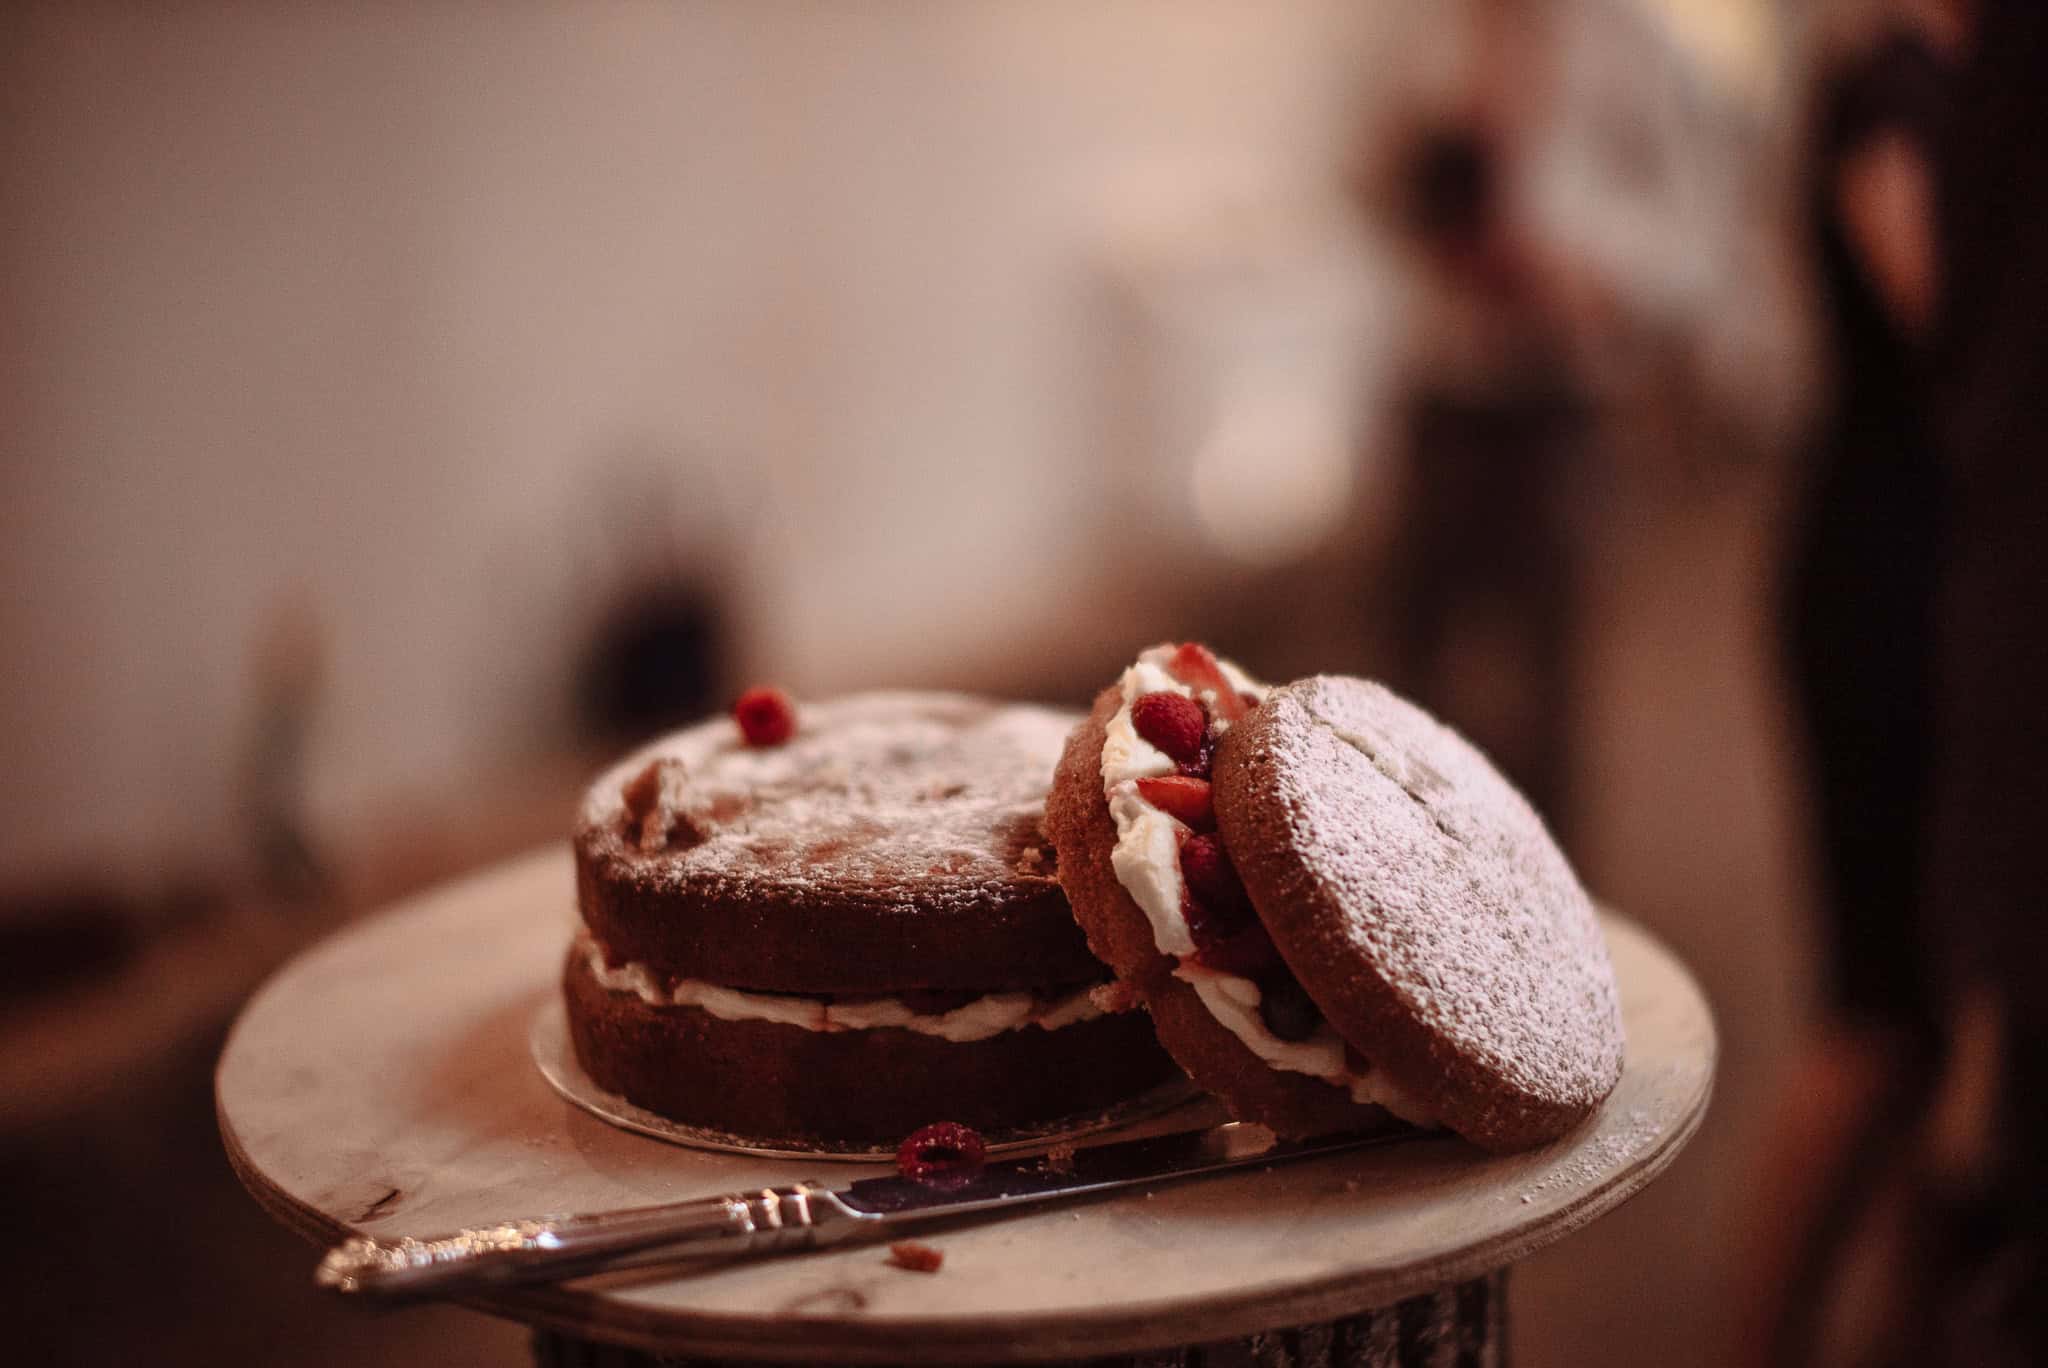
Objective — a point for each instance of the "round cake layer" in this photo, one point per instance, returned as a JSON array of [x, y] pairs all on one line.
[[1422, 904], [894, 842], [777, 1082]]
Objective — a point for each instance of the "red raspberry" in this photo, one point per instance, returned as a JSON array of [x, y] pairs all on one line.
[[1219, 912], [1212, 879], [1181, 797], [766, 716], [942, 1150], [1173, 722], [1207, 926], [916, 1256], [1195, 666], [1247, 952]]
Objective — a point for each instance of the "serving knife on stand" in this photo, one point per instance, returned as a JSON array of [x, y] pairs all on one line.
[[802, 1216]]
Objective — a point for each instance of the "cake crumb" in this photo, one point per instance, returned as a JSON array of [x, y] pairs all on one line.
[[1114, 996], [1060, 1158], [918, 1258]]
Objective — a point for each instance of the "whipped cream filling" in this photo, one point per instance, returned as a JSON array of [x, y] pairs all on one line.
[[1147, 864], [986, 1016]]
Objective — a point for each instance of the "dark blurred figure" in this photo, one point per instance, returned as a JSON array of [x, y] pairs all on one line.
[[1484, 562], [1487, 564], [1918, 1212], [1860, 610], [1860, 639], [1989, 1203]]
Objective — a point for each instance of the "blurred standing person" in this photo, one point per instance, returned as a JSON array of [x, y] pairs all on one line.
[[1483, 564], [1919, 597], [1859, 614], [1860, 604], [1984, 1216]]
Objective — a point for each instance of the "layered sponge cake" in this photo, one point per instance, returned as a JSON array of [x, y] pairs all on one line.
[[1338, 913], [846, 933]]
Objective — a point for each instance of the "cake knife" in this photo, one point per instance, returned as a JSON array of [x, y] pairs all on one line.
[[803, 1216]]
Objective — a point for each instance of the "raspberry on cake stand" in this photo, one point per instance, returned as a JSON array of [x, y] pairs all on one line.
[[381, 1084]]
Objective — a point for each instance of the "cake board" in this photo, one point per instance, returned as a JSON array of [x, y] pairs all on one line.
[[381, 1084]]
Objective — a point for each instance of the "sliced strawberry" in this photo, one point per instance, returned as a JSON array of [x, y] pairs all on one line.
[[1195, 666], [1182, 798], [1173, 722]]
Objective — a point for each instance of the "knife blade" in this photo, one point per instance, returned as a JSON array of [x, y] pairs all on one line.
[[803, 1216]]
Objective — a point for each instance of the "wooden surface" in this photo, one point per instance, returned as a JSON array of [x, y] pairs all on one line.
[[381, 1083]]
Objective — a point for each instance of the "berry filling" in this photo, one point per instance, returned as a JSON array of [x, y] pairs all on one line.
[[1212, 883], [1195, 665], [1204, 917], [1286, 1009], [1182, 797], [942, 1151], [1219, 913], [766, 716], [1174, 723], [1247, 953]]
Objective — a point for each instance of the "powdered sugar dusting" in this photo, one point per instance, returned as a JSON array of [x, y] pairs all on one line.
[[873, 790], [1599, 1158], [1449, 884]]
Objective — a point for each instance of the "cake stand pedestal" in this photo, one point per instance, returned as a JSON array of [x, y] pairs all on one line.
[[381, 1084]]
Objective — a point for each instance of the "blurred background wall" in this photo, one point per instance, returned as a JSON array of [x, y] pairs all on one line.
[[410, 317], [378, 379]]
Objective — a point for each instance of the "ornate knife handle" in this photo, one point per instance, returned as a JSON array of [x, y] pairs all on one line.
[[550, 1248]]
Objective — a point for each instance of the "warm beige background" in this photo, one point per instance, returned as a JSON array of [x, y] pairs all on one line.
[[910, 322]]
